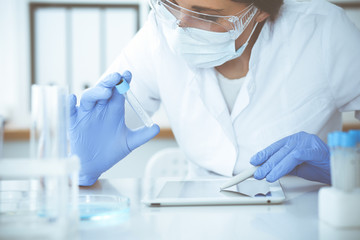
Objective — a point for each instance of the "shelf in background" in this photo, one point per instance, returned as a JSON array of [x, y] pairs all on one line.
[[24, 134]]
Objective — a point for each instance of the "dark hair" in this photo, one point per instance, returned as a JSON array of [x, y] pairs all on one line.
[[272, 7]]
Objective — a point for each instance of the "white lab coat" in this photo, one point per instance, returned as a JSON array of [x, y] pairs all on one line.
[[303, 72]]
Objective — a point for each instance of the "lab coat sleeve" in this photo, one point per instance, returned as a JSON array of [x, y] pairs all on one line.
[[342, 62], [139, 58]]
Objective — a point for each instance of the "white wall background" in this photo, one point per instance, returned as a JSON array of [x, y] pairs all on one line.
[[92, 47], [14, 60]]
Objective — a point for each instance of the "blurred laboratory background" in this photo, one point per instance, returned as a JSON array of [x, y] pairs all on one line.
[[73, 42]]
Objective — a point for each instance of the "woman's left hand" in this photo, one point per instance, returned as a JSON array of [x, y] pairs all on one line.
[[301, 154]]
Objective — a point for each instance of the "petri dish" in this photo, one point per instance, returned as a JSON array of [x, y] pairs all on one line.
[[20, 203], [103, 207]]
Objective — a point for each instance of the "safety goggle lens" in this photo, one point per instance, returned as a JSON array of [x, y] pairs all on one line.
[[190, 19]]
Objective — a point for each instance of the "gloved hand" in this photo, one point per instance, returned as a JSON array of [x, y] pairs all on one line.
[[98, 134], [301, 154]]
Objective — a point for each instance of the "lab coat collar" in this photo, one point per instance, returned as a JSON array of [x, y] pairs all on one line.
[[248, 89], [205, 84], [243, 98]]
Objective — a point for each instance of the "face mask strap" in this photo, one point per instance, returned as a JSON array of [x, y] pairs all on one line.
[[247, 41], [239, 26]]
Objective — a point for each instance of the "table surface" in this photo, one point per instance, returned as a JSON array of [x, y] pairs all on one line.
[[296, 218]]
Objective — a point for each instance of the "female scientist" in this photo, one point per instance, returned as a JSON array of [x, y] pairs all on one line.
[[243, 82]]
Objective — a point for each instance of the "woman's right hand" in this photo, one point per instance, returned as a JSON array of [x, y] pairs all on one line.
[[98, 134]]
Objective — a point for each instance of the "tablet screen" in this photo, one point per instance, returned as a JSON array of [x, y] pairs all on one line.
[[211, 189]]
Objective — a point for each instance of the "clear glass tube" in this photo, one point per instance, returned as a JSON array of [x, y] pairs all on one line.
[[49, 119], [344, 162], [136, 106]]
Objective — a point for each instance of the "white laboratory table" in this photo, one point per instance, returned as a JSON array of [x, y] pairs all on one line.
[[296, 218]]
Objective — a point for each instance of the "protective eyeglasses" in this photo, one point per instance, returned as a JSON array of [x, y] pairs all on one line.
[[186, 18]]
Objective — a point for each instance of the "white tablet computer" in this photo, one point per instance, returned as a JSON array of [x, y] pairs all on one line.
[[207, 192]]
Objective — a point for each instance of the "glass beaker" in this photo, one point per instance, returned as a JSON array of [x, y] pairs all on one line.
[[49, 121], [39, 195]]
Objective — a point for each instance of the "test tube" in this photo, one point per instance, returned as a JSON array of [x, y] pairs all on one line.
[[124, 89], [356, 134], [334, 143], [343, 161]]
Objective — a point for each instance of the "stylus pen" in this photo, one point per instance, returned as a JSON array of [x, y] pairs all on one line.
[[240, 177]]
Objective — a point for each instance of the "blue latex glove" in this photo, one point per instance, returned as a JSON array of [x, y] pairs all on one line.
[[301, 154], [98, 134]]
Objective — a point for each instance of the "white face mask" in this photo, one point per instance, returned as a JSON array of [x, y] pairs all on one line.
[[201, 48]]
